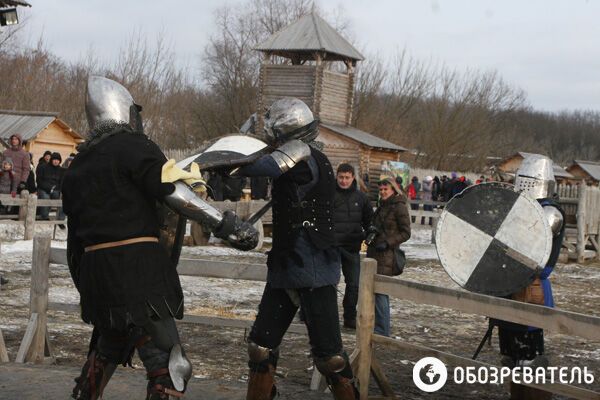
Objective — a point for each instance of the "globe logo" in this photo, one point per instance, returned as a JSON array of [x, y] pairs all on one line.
[[430, 374]]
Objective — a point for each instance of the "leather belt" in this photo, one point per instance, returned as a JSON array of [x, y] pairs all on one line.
[[121, 243]]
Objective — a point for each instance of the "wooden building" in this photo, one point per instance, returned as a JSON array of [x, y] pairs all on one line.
[[42, 131], [311, 61], [364, 151], [586, 170]]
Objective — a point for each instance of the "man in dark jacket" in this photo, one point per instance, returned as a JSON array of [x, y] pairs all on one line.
[[352, 213], [49, 181], [129, 288], [303, 265]]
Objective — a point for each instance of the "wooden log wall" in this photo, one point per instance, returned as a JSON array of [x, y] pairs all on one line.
[[338, 155], [288, 80], [375, 158], [334, 98], [568, 199]]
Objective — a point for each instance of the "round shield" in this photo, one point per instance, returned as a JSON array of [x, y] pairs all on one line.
[[227, 151], [491, 239]]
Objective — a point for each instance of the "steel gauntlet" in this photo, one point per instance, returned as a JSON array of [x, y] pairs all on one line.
[[227, 225]]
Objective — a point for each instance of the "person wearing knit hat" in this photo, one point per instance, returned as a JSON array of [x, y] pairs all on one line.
[[49, 182], [390, 227], [43, 160], [390, 181]]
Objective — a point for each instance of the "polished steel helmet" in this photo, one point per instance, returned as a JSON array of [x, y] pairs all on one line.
[[535, 177], [290, 118], [108, 104]]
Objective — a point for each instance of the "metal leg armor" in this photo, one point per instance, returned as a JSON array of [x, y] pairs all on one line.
[[164, 349], [261, 379], [94, 377], [338, 373]]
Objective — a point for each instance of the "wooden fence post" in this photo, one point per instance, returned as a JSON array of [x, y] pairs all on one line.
[[365, 324], [33, 345], [3, 352], [30, 216], [23, 209], [581, 223]]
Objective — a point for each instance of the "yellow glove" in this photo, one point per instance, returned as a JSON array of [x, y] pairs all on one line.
[[172, 173]]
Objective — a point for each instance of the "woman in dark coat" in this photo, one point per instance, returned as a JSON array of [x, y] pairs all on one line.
[[392, 222]]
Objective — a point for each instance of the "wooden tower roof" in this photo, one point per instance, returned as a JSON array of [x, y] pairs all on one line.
[[308, 35]]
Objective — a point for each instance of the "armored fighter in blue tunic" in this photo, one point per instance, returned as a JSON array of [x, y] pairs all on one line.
[[519, 344]]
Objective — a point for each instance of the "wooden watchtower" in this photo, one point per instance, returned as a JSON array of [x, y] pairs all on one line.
[[297, 63], [311, 61]]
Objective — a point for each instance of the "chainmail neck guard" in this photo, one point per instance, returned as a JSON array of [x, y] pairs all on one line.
[[103, 130], [315, 144]]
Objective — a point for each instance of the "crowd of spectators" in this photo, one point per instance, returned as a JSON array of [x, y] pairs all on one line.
[[18, 173]]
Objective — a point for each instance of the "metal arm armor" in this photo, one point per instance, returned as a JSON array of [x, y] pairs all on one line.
[[555, 219], [185, 202], [289, 154]]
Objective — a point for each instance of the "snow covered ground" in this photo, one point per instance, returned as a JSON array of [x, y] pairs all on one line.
[[219, 352]]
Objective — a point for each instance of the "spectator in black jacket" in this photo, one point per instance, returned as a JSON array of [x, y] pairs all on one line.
[[49, 182], [352, 217]]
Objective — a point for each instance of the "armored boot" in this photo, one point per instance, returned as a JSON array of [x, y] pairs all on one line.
[[338, 373], [261, 379], [342, 388], [95, 374], [160, 386]]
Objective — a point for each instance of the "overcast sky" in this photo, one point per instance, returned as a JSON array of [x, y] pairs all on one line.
[[549, 48]]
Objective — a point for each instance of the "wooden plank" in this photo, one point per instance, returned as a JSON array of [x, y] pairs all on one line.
[[11, 222], [23, 209], [222, 269], [8, 200], [38, 297], [380, 377], [3, 352], [365, 324], [27, 339], [581, 231], [49, 202], [552, 319], [30, 216], [299, 329], [451, 359], [427, 214], [58, 256]]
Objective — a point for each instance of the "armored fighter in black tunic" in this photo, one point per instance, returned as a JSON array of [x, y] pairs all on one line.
[[129, 287], [303, 265]]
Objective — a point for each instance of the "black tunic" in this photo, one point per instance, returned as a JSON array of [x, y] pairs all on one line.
[[109, 194]]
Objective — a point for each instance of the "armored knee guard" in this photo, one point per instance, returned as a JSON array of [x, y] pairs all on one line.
[[95, 374], [261, 380], [162, 348], [338, 373]]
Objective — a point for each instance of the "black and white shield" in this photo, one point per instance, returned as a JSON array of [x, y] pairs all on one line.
[[491, 239]]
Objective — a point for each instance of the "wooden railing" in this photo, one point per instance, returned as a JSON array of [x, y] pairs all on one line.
[[28, 204], [551, 319]]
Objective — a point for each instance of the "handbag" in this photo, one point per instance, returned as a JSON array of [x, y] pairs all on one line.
[[399, 262]]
